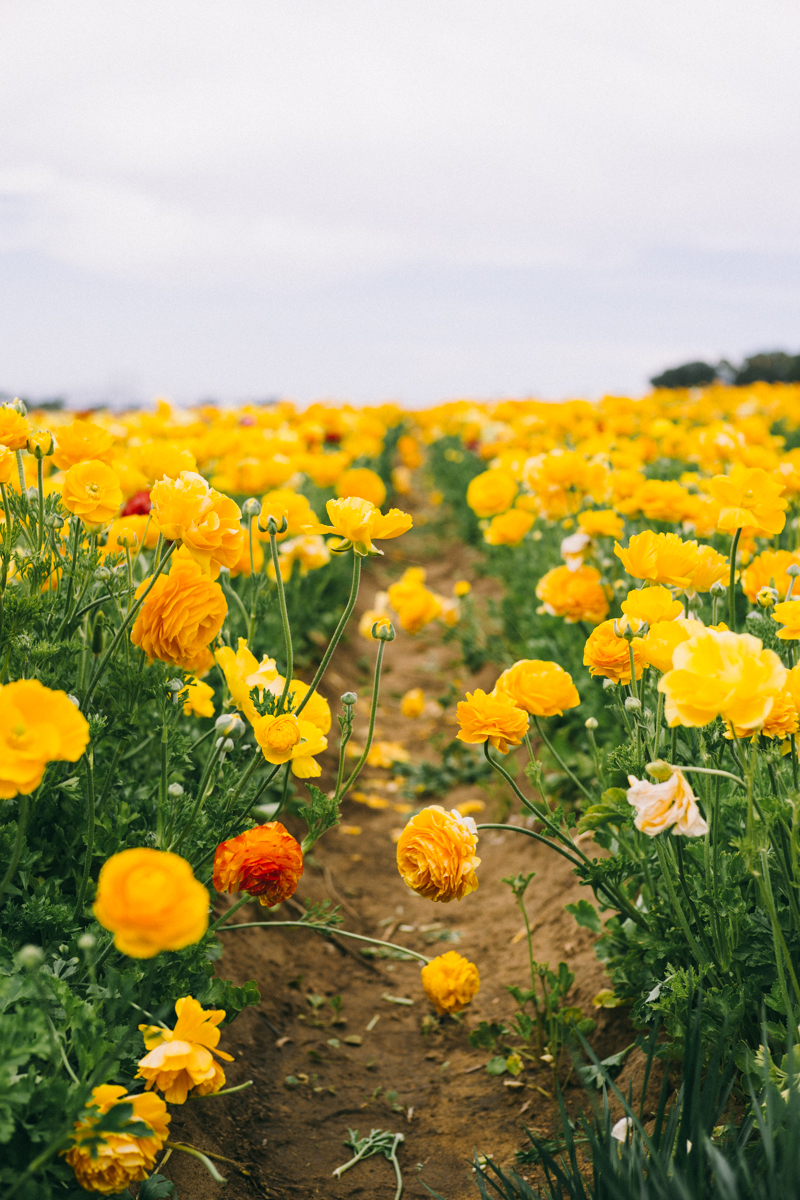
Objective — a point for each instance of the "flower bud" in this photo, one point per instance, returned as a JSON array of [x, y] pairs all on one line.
[[32, 493], [591, 724], [18, 406], [40, 444], [609, 683], [175, 685], [102, 574], [175, 789], [793, 570], [659, 769], [231, 725], [717, 589], [97, 636], [30, 957], [86, 942], [273, 525], [74, 700], [383, 630], [633, 703], [128, 538], [767, 597], [349, 699], [54, 520], [225, 744], [251, 507]]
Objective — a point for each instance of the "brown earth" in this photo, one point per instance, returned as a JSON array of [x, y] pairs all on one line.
[[286, 1139]]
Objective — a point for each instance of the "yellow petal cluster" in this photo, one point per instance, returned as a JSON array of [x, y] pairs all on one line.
[[37, 726], [436, 854], [450, 982], [151, 901], [181, 1060], [723, 674], [108, 1164]]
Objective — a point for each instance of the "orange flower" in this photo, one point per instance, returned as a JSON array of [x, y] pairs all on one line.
[[495, 717], [180, 1060], [414, 604], [543, 689], [109, 1162], [206, 521], [91, 491], [660, 557], [284, 502], [14, 428], [491, 492], [509, 528], [436, 854], [608, 655], [266, 862], [8, 467], [450, 982], [575, 595], [151, 901], [769, 570], [360, 481], [601, 522], [751, 499], [182, 614], [80, 441], [37, 726]]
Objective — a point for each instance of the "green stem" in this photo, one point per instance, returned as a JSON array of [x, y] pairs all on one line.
[[90, 805], [345, 617], [731, 594], [287, 633], [23, 487], [203, 1158], [162, 785], [373, 710], [226, 916], [16, 854], [76, 533], [40, 487], [202, 792], [285, 792], [560, 760], [536, 836], [666, 875], [659, 716], [765, 887], [358, 937], [711, 771]]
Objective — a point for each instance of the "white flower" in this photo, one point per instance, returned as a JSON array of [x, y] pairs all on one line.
[[659, 805], [620, 1130]]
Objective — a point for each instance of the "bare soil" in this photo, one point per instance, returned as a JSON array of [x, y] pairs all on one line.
[[286, 1139]]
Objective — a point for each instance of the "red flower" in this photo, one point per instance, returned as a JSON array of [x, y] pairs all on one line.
[[266, 862], [138, 505]]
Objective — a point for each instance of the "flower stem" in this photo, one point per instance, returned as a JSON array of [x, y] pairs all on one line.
[[287, 633], [731, 596], [560, 760], [323, 930], [345, 617], [90, 805], [373, 710]]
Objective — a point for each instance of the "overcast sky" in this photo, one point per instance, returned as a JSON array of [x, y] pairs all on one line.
[[418, 199]]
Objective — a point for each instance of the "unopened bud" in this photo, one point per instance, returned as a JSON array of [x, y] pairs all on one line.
[[97, 636], [251, 507], [591, 723], [226, 744], [86, 942], [18, 406], [230, 724], [128, 538], [54, 520], [659, 769], [767, 597], [175, 685], [175, 789], [273, 525], [793, 570], [717, 589], [633, 703], [349, 699], [40, 444], [102, 574], [30, 957], [383, 630], [32, 493], [609, 683]]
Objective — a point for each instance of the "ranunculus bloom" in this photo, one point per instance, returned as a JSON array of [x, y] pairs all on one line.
[[575, 595], [436, 854], [206, 521], [509, 528], [660, 641], [660, 557], [608, 655], [358, 522], [360, 481], [664, 500], [711, 567], [158, 459], [198, 699], [285, 503], [543, 689], [109, 1164], [266, 862], [287, 738], [661, 805], [413, 703], [8, 467], [414, 604], [722, 674], [651, 604], [14, 428], [151, 901], [243, 672], [79, 441], [782, 721], [601, 522], [491, 492], [450, 982], [182, 614], [37, 726], [788, 616], [180, 1060], [495, 717], [751, 499], [769, 570], [91, 491]]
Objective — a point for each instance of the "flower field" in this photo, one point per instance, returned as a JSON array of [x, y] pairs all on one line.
[[288, 694]]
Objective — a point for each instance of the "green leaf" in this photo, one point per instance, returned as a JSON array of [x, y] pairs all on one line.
[[485, 1036], [586, 915], [320, 815], [157, 1188], [496, 1065]]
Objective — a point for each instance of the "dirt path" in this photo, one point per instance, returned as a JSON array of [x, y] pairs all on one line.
[[289, 1136]]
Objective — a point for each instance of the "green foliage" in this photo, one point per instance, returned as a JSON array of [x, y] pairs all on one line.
[[457, 765]]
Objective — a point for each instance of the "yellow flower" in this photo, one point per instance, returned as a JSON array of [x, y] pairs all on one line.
[[652, 605], [285, 503], [543, 689], [413, 703], [37, 726], [493, 717], [414, 604], [574, 595], [601, 522], [751, 499], [182, 614], [436, 854], [660, 557], [659, 643], [158, 459], [205, 521], [360, 481], [151, 901], [509, 528], [108, 1163], [80, 441], [180, 1060], [782, 721], [788, 615], [491, 493], [462, 587], [769, 570], [287, 738], [724, 674], [608, 655], [671, 803], [450, 982], [358, 521], [198, 699], [14, 428], [664, 500], [8, 467], [243, 672], [317, 709], [711, 566], [91, 491]]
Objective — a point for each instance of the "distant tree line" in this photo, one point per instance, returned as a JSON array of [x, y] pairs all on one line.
[[771, 366]]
